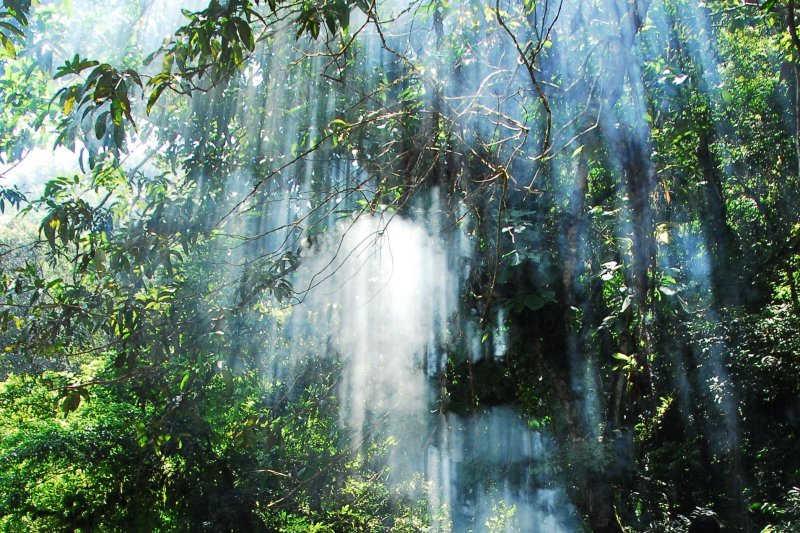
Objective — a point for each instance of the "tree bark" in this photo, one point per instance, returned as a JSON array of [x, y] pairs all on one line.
[[720, 239]]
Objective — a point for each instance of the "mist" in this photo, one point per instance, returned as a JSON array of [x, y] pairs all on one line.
[[500, 242]]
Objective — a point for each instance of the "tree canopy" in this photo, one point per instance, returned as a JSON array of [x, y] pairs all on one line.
[[425, 265]]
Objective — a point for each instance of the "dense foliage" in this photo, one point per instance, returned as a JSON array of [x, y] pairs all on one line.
[[619, 179]]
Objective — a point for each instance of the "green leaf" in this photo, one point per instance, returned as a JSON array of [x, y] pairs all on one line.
[[134, 76], [330, 21], [185, 380], [49, 225], [119, 136], [151, 100], [11, 28], [69, 104], [116, 112], [104, 87], [76, 67], [245, 33], [100, 127], [8, 46], [71, 402]]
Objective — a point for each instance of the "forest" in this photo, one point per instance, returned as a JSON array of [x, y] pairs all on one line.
[[399, 265]]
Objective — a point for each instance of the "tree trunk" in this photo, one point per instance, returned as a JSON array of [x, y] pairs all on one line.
[[594, 496], [602, 515], [725, 279]]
